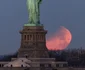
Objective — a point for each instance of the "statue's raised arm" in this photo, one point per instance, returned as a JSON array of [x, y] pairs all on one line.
[[34, 11]]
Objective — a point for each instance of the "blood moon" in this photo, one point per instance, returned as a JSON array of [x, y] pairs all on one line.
[[60, 40]]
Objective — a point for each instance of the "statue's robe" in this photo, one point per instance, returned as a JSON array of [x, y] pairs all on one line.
[[33, 8]]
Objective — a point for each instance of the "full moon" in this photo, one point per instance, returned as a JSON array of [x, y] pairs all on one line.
[[60, 40]]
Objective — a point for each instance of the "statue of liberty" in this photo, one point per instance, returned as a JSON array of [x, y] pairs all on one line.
[[34, 11]]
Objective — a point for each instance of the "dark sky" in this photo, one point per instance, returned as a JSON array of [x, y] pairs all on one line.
[[54, 13]]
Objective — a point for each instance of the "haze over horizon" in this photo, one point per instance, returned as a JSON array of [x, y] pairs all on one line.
[[54, 13]]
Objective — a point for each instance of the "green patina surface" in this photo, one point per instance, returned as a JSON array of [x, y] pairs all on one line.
[[33, 24], [33, 7]]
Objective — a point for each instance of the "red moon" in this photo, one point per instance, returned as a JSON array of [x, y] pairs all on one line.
[[60, 40]]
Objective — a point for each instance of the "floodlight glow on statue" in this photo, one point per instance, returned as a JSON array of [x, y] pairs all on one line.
[[34, 12]]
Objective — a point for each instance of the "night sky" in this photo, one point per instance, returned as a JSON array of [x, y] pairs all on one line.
[[54, 13]]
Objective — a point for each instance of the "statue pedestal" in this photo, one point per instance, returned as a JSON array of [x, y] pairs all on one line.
[[33, 42]]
